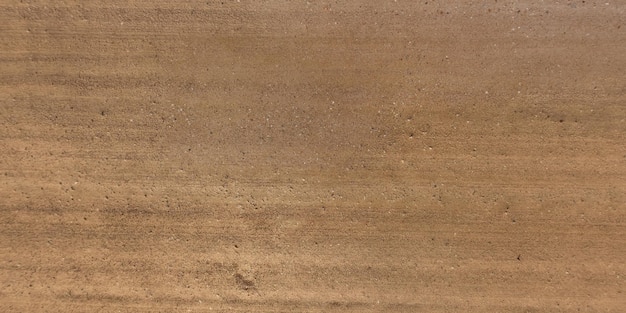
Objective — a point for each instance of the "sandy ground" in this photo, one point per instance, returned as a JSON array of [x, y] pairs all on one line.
[[312, 156]]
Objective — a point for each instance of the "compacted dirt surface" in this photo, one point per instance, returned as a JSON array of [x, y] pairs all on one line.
[[312, 156]]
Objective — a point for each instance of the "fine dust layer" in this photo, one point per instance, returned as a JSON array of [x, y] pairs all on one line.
[[312, 156]]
